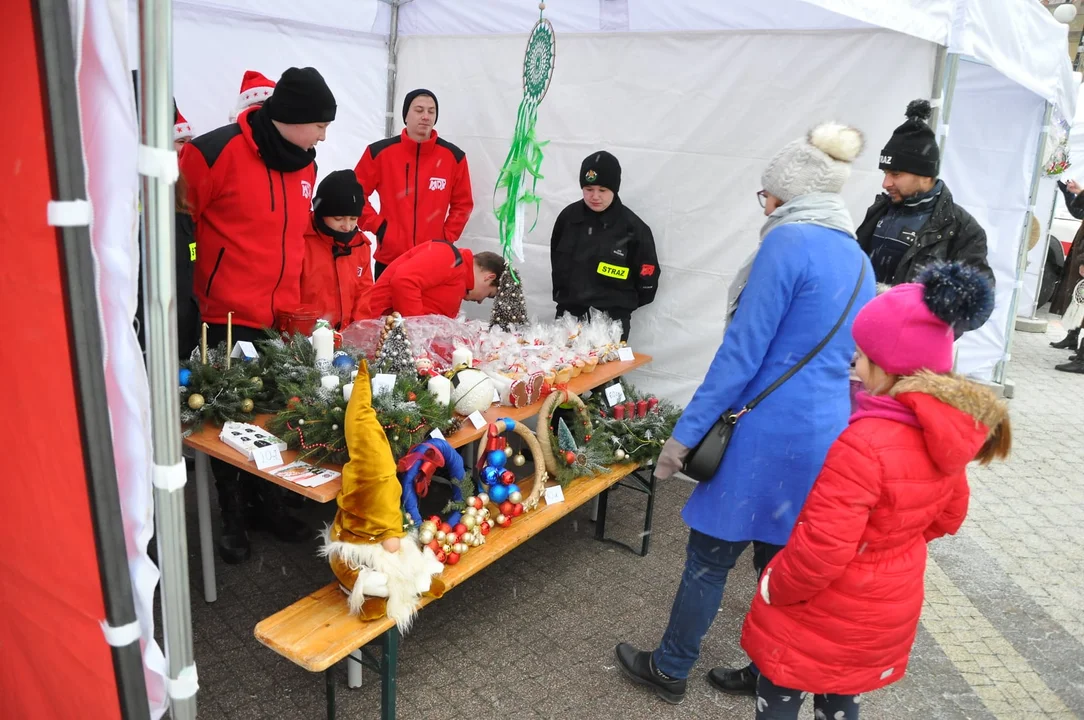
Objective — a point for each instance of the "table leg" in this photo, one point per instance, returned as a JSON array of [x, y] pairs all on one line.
[[206, 536], [353, 670], [594, 510], [649, 515], [600, 523], [389, 668], [329, 677]]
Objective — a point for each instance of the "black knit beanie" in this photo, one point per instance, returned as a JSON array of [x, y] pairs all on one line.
[[301, 96], [601, 168], [414, 95], [339, 195], [913, 146]]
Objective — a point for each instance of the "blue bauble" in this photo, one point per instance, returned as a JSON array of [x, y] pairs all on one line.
[[185, 376], [496, 459], [513, 488], [344, 361], [491, 474], [498, 493]]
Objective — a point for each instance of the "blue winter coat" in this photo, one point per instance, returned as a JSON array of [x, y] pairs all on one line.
[[800, 282]]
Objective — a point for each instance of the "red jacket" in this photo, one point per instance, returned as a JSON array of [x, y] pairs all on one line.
[[424, 191], [334, 284], [846, 592], [431, 279], [250, 227]]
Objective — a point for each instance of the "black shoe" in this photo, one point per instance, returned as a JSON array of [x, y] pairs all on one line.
[[268, 514], [1075, 365], [639, 667], [1069, 342], [233, 545], [734, 682]]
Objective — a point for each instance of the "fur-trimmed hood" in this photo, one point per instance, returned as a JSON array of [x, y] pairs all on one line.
[[957, 415]]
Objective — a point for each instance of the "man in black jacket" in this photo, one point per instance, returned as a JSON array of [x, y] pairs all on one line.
[[916, 221]]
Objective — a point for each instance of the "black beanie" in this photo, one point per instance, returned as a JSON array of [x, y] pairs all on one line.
[[913, 146], [339, 195], [601, 168], [414, 95], [301, 96]]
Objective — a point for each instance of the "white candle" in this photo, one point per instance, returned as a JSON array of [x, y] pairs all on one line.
[[329, 382], [462, 356], [442, 388], [348, 390], [323, 342]]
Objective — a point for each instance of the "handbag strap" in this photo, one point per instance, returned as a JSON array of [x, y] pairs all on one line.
[[812, 353]]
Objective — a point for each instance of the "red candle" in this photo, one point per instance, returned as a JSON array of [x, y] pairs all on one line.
[[602, 412], [630, 409], [652, 404], [641, 408], [619, 412]]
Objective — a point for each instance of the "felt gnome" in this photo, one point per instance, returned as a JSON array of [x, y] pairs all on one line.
[[255, 90], [382, 569]]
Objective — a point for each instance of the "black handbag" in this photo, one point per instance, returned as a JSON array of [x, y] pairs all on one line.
[[703, 461]]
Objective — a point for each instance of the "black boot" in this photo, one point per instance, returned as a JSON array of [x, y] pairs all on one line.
[[268, 514], [1075, 365], [734, 682], [1069, 342], [640, 667], [233, 545]]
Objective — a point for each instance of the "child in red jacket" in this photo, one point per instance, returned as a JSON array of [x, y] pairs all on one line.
[[337, 273], [838, 607]]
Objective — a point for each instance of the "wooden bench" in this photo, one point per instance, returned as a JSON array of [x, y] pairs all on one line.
[[318, 631]]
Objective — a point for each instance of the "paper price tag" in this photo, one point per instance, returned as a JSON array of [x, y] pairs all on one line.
[[554, 495], [436, 434], [267, 457], [496, 395], [477, 420], [625, 354], [615, 394], [383, 383]]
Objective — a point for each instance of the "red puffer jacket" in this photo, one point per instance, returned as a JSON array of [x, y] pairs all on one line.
[[336, 283], [424, 191], [250, 226], [431, 279], [845, 594]]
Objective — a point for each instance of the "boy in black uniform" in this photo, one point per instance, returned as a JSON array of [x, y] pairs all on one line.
[[601, 254]]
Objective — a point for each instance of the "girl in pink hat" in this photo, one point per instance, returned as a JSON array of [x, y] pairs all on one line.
[[838, 607]]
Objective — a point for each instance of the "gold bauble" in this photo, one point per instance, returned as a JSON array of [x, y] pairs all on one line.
[[195, 401], [257, 382], [519, 460], [247, 405]]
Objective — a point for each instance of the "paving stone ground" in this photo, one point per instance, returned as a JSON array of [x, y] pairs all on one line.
[[532, 636]]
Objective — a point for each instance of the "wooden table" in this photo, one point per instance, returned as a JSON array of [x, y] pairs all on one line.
[[318, 631], [206, 444]]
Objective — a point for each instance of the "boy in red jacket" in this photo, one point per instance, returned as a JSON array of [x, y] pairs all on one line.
[[337, 275], [435, 279], [838, 607], [422, 180], [250, 193]]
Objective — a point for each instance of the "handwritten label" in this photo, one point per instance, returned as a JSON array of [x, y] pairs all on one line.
[[625, 354], [436, 434], [267, 457], [383, 383], [554, 495], [615, 394], [477, 420]]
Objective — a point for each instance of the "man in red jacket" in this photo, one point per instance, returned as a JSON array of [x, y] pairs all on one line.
[[250, 192], [337, 275], [422, 180], [434, 279]]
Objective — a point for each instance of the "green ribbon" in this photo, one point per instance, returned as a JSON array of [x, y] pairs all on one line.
[[519, 178]]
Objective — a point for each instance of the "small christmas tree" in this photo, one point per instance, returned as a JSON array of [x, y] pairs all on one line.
[[565, 441], [509, 307], [395, 355]]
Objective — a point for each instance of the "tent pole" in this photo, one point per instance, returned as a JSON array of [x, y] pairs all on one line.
[[1022, 254], [56, 58], [160, 312], [393, 58], [941, 119], [1045, 241], [938, 84]]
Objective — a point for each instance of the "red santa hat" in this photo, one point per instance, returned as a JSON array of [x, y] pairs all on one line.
[[255, 89], [181, 129]]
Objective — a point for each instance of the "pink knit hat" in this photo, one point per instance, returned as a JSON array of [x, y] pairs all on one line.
[[912, 326]]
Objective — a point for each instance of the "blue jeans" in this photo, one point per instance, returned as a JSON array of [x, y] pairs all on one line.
[[708, 561]]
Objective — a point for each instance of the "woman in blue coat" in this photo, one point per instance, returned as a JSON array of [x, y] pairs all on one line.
[[785, 300]]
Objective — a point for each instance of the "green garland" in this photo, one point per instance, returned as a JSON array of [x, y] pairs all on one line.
[[639, 440], [216, 393]]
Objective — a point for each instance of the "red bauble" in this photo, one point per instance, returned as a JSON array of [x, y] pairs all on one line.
[[485, 528], [517, 509], [445, 528], [478, 504], [460, 529], [433, 545], [507, 521], [570, 457], [452, 559], [411, 396], [441, 557], [587, 438], [435, 519], [508, 477], [506, 507], [293, 402]]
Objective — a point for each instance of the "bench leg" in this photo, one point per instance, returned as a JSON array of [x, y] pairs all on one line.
[[329, 676], [389, 668], [649, 515], [353, 670], [600, 518], [206, 536], [594, 510]]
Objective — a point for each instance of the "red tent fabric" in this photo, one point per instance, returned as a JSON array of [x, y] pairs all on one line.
[[56, 661]]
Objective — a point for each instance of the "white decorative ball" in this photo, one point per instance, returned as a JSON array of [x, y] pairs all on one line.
[[472, 391], [484, 497], [1065, 13], [469, 521], [425, 536], [515, 497], [440, 536], [508, 451]]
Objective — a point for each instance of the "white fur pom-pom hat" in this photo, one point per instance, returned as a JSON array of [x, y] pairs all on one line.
[[818, 163]]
